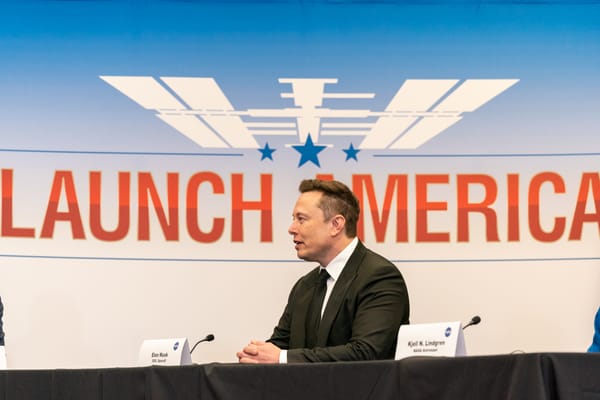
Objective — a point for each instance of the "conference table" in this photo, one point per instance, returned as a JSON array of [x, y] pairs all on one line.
[[511, 376]]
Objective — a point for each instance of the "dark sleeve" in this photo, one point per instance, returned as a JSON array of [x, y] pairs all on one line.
[[1, 330], [281, 333], [380, 304]]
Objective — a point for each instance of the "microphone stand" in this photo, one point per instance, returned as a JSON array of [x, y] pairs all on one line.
[[208, 338]]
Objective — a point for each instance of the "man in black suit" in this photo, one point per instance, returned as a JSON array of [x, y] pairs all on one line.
[[365, 297]]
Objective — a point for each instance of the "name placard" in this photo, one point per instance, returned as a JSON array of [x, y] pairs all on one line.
[[2, 358], [174, 351], [435, 339]]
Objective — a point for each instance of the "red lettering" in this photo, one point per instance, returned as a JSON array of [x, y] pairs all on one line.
[[170, 225], [534, 207], [63, 179], [465, 207], [8, 229], [589, 180], [96, 209], [424, 207], [192, 207], [239, 205], [395, 184], [477, 197], [512, 196], [325, 177]]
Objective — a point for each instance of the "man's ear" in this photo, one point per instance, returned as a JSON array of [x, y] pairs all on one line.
[[338, 225]]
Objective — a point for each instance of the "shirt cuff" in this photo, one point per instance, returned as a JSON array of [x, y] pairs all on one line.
[[283, 357]]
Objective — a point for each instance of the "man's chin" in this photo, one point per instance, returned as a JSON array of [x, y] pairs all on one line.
[[300, 256], [303, 256]]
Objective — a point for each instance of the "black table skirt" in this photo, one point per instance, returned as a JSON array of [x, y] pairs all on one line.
[[520, 376]]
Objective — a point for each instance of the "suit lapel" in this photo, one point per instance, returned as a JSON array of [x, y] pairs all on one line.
[[298, 326], [338, 294]]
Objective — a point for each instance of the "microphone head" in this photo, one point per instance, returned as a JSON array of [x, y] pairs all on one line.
[[210, 338], [474, 321]]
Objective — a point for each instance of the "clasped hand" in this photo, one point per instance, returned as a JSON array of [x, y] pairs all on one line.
[[257, 352]]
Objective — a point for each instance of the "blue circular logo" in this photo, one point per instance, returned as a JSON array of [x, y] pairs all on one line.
[[448, 332], [176, 345]]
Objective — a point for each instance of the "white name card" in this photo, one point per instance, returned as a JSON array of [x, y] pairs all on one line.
[[437, 339], [165, 352], [2, 358]]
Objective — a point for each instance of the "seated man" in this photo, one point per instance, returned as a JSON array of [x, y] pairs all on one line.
[[595, 347], [1, 331], [350, 307]]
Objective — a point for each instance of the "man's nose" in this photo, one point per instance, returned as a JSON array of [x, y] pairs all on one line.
[[292, 228]]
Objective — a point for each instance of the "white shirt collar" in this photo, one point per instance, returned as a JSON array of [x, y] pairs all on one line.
[[336, 265]]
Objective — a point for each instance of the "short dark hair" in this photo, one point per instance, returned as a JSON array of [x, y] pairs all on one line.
[[337, 199]]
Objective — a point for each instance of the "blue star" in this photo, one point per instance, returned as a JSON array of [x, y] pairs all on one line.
[[309, 152], [351, 152], [267, 152]]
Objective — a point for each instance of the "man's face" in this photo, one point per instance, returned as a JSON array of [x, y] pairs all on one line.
[[309, 230]]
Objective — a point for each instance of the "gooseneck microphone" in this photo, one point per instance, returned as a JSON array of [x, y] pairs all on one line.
[[209, 338], [474, 321]]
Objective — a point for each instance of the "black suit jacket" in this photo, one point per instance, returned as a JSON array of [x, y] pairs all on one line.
[[1, 331], [366, 307]]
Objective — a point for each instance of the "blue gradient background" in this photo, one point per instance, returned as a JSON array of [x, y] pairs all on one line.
[[53, 52]]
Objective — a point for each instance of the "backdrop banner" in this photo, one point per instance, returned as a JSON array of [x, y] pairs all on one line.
[[151, 154]]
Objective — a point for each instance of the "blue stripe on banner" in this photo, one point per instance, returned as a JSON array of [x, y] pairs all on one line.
[[233, 260]]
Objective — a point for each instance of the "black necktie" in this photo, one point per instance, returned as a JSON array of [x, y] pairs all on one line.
[[313, 317]]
